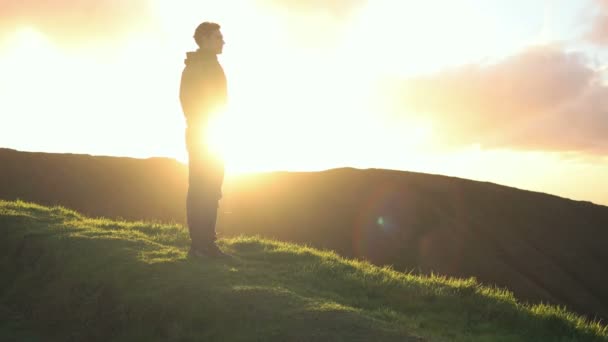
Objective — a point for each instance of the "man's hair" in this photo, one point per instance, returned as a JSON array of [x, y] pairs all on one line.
[[203, 30]]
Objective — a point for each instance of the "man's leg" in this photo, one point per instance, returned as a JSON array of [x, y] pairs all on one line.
[[196, 188], [209, 213], [195, 206], [214, 174], [205, 180]]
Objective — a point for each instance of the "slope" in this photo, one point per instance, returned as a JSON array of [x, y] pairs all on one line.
[[542, 247], [70, 277]]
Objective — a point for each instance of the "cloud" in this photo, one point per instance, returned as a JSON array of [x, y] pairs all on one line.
[[73, 19], [541, 99], [336, 8], [598, 32], [314, 23]]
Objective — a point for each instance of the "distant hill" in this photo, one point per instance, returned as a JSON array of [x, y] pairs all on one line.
[[68, 277], [542, 247], [130, 188]]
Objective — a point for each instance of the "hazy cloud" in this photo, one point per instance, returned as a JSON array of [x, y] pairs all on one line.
[[598, 32], [73, 19], [337, 8], [541, 99], [317, 23]]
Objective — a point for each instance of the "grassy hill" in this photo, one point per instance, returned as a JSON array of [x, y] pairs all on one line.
[[543, 248], [71, 277]]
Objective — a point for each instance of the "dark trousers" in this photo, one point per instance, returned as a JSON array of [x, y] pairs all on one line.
[[205, 178]]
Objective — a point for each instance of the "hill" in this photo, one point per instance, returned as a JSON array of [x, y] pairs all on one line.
[[543, 248], [70, 277], [129, 188]]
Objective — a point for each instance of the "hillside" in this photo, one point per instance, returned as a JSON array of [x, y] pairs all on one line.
[[543, 248], [70, 277], [130, 188]]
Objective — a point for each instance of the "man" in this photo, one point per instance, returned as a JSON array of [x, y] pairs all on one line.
[[202, 93]]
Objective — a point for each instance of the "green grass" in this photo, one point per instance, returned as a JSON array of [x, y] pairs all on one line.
[[67, 277]]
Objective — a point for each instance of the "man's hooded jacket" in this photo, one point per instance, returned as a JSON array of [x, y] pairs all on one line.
[[203, 88]]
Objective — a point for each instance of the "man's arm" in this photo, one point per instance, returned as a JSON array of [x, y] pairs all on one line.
[[189, 92]]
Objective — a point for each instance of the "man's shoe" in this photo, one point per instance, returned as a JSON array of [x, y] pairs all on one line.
[[215, 252], [196, 254], [209, 251]]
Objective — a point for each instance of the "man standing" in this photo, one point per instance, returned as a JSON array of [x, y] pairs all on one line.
[[202, 93]]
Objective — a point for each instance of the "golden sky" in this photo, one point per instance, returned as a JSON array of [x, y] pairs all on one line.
[[507, 91]]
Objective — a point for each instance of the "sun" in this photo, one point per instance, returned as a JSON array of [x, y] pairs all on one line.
[[246, 143]]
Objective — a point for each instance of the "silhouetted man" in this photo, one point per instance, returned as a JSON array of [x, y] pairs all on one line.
[[203, 92]]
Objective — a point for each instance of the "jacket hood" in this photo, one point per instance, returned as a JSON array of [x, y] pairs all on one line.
[[194, 57]]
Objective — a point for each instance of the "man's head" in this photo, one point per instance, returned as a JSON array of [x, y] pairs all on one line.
[[208, 37]]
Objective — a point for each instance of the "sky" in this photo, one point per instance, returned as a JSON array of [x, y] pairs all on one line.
[[513, 92]]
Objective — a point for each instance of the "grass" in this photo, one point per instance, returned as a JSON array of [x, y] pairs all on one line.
[[67, 277]]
